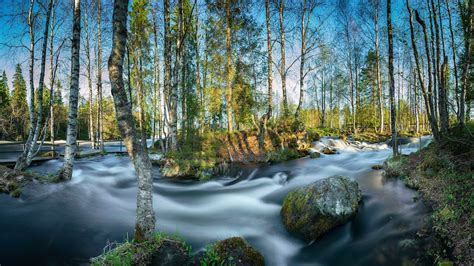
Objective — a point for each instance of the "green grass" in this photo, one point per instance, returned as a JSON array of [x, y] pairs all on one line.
[[443, 173], [129, 252]]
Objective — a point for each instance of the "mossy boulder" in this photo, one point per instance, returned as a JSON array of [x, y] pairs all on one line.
[[310, 211], [314, 155], [232, 251]]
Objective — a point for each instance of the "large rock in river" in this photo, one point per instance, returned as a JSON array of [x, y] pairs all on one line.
[[231, 251], [312, 210]]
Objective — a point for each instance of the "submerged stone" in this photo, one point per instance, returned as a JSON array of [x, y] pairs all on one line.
[[327, 150]]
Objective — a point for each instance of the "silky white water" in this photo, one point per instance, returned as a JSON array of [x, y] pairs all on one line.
[[68, 223]]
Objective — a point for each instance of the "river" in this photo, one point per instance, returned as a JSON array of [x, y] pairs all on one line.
[[67, 223]]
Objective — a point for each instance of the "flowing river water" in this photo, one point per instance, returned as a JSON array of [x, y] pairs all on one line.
[[68, 223]]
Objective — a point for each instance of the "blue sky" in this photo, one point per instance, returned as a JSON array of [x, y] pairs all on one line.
[[11, 33]]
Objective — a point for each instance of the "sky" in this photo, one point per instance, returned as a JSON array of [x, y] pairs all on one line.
[[13, 32]]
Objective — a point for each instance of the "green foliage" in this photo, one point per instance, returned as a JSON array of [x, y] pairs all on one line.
[[4, 91], [129, 252], [18, 104], [443, 174], [211, 257]]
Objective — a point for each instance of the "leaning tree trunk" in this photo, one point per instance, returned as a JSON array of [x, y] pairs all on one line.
[[426, 95], [432, 118], [145, 224], [36, 123], [391, 79], [21, 162], [71, 145]]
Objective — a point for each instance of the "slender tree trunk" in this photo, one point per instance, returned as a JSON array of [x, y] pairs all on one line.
[[352, 96], [442, 101], [141, 99], [37, 125], [417, 112], [21, 162], [71, 145], [391, 79], [51, 81], [302, 55], [467, 75], [173, 101], [453, 48], [198, 76], [157, 87], [282, 65], [269, 59], [228, 68], [441, 28], [167, 60], [100, 120], [145, 224], [427, 95], [434, 63], [432, 117], [378, 74], [323, 99], [89, 79]]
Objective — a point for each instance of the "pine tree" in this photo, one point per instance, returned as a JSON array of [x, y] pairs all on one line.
[[19, 104], [4, 91]]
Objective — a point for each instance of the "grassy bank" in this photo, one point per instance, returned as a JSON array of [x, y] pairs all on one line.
[[210, 153], [163, 249], [444, 175], [12, 181]]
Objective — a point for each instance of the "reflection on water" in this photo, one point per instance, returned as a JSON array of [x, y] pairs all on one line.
[[70, 222]]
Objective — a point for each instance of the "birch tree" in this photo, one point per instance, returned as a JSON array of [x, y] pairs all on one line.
[[71, 144], [36, 121], [145, 220], [391, 79], [99, 115]]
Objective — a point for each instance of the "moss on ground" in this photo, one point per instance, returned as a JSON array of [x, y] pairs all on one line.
[[444, 175], [207, 154], [134, 253], [232, 251], [163, 249]]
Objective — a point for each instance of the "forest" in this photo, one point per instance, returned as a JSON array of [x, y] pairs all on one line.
[[258, 132]]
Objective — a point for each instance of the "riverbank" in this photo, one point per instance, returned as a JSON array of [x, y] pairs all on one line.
[[163, 249], [212, 153], [443, 173], [12, 181]]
